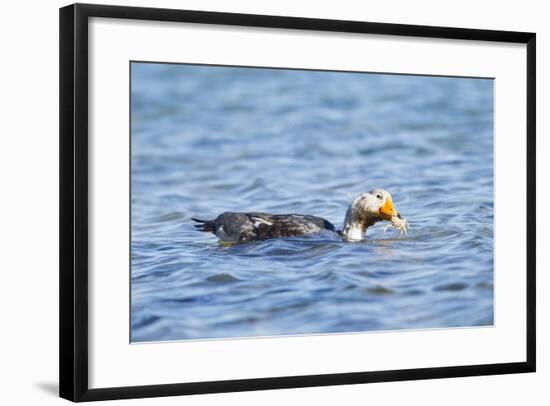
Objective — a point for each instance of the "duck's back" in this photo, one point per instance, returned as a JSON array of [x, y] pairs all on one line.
[[234, 227]]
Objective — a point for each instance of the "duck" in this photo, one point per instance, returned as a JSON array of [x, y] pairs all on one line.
[[364, 211]]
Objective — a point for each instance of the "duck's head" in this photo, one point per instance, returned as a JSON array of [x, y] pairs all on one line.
[[365, 210]]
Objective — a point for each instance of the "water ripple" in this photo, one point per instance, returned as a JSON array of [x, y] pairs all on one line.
[[207, 140]]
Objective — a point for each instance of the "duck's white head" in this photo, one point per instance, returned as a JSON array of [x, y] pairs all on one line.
[[365, 210]]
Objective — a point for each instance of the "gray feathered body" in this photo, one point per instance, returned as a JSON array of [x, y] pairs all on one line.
[[240, 227]]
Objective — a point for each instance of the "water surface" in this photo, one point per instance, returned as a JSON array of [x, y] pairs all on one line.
[[212, 139]]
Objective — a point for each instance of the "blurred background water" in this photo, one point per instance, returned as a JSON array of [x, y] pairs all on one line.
[[212, 139]]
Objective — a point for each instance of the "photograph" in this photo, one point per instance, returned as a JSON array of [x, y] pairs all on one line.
[[272, 202]]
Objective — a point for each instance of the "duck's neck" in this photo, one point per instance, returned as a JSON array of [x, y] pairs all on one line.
[[353, 231], [355, 226]]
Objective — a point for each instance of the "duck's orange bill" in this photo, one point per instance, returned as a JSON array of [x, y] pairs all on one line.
[[388, 210]]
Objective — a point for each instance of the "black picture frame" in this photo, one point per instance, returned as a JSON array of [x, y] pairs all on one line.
[[73, 254]]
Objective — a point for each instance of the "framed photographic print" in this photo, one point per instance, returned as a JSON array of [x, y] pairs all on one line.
[[257, 202]]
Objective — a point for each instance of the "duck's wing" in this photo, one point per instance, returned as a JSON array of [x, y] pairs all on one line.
[[300, 224], [230, 226]]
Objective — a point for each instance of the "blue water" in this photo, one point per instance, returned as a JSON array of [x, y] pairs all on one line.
[[212, 139]]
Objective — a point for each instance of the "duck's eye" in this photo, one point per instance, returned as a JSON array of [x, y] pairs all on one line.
[[379, 196]]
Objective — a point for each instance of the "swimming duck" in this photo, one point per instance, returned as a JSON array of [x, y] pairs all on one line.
[[364, 211]]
